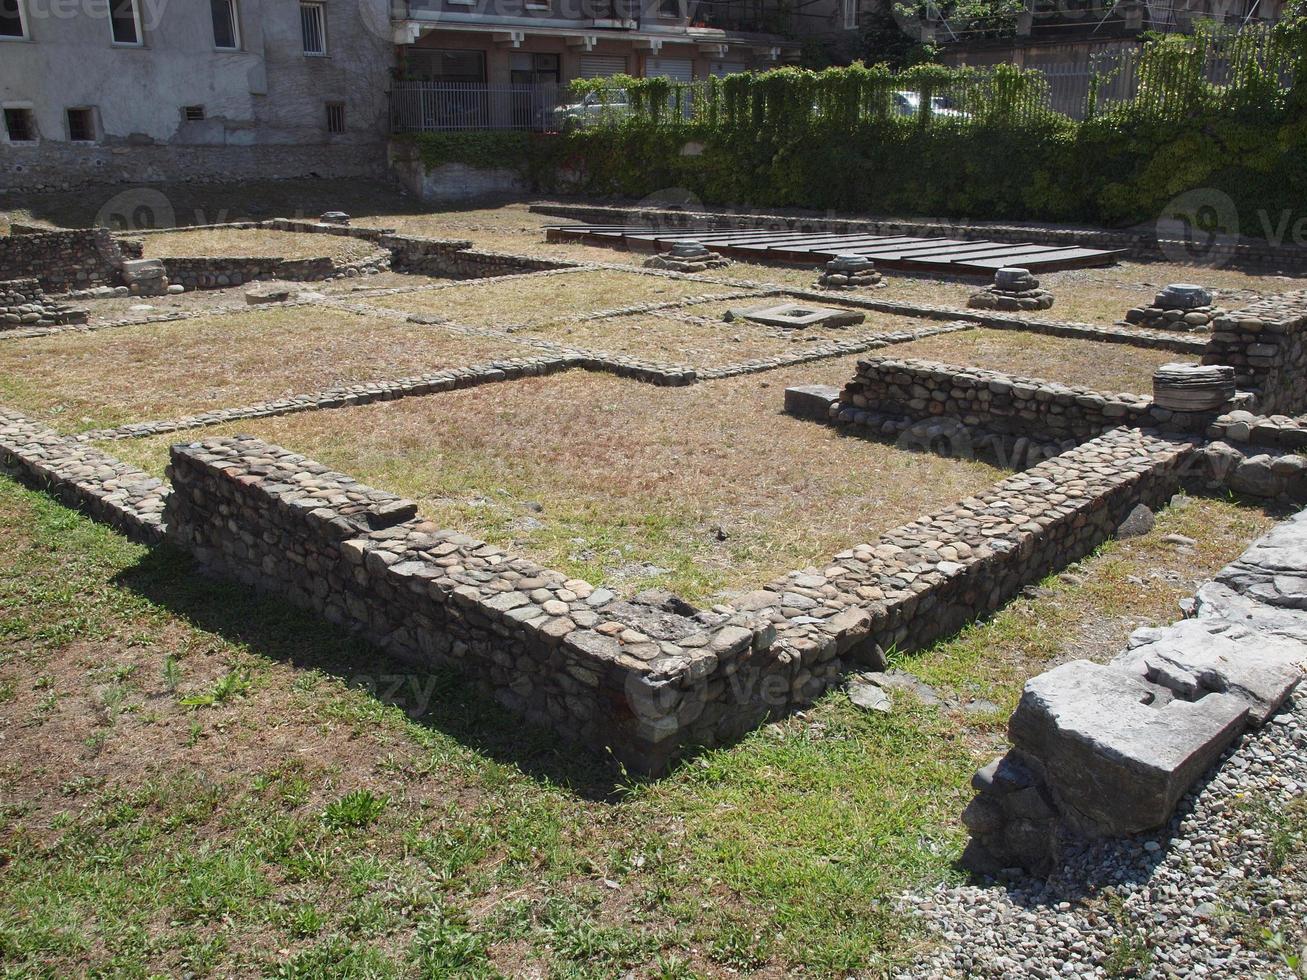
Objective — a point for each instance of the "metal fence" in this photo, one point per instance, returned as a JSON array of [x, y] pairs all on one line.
[[1118, 78], [426, 107]]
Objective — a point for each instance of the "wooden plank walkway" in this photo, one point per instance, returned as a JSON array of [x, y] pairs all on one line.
[[956, 256]]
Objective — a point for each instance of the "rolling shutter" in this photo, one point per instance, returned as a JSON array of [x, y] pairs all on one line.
[[677, 69], [601, 65]]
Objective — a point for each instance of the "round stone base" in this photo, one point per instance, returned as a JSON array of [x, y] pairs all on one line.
[[670, 264], [1196, 320], [992, 298], [854, 280]]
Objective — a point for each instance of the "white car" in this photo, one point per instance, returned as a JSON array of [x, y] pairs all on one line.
[[594, 108]]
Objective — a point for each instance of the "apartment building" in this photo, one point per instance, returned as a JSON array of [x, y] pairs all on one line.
[[132, 90], [551, 42]]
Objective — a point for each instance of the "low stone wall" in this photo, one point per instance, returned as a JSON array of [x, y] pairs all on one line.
[[929, 578], [1274, 431], [1266, 344], [555, 650], [996, 403], [1108, 750], [83, 477], [218, 273], [646, 677], [23, 304], [455, 259], [62, 260]]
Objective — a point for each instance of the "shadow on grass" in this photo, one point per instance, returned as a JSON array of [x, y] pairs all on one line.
[[440, 699]]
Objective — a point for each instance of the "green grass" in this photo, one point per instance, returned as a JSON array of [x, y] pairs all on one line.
[[220, 784]]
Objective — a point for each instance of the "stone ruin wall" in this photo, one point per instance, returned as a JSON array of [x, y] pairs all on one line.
[[24, 304], [1266, 343], [63, 260]]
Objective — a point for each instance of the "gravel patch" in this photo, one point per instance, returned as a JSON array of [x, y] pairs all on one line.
[[1222, 892]]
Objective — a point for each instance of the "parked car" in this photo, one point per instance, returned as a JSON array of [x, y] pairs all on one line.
[[593, 109], [909, 104]]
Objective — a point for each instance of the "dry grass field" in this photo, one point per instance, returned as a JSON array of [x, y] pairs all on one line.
[[254, 242], [681, 336], [705, 490], [541, 299], [1083, 363], [79, 381]]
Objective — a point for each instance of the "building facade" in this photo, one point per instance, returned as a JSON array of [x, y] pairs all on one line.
[[552, 42], [139, 90]]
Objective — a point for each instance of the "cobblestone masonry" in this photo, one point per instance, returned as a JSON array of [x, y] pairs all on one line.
[[929, 578], [458, 260], [992, 402], [556, 650], [24, 304], [82, 476], [219, 273], [63, 260], [644, 678], [1266, 343]]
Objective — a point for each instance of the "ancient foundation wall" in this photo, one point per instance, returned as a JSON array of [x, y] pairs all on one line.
[[996, 403], [24, 304], [1266, 344], [62, 260], [453, 259]]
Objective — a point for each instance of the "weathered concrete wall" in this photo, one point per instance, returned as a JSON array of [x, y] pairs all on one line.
[[268, 94], [451, 183]]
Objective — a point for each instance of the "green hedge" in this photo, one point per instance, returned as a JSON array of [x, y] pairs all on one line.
[[832, 139]]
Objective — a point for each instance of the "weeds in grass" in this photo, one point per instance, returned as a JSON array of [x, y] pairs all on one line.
[[360, 808], [229, 685], [171, 672], [444, 945]]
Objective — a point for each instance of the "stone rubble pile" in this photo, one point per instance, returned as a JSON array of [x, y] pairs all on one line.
[[1108, 750], [1180, 306], [850, 272], [1013, 290], [688, 257]]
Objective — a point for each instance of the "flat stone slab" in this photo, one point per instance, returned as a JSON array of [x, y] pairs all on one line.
[[1194, 658], [798, 316], [1120, 750], [811, 401]]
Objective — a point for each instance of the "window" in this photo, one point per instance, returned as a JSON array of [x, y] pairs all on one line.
[[850, 14], [125, 22], [525, 69], [11, 19], [669, 8], [19, 126], [226, 26], [81, 125], [193, 113], [335, 117], [313, 28], [437, 65]]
